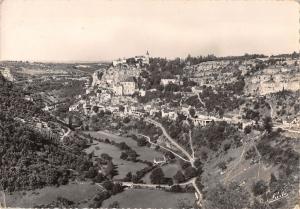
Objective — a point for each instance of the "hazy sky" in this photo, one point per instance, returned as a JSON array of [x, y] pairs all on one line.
[[88, 30]]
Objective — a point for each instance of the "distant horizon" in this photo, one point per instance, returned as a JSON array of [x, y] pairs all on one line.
[[93, 30], [103, 61]]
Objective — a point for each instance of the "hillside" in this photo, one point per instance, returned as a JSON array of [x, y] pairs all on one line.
[[30, 158]]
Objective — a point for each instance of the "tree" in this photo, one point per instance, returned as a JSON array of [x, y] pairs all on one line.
[[109, 170], [95, 109], [117, 188], [190, 172], [247, 129], [63, 202], [157, 176], [128, 176], [108, 185], [141, 142], [126, 120], [192, 112], [267, 123], [176, 188], [99, 178], [197, 163], [179, 177], [91, 173], [121, 108], [100, 197], [222, 165], [123, 156], [259, 188], [123, 146], [114, 204], [106, 156]]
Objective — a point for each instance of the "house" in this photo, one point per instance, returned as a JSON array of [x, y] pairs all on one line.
[[74, 107], [142, 93], [113, 109], [49, 108], [203, 120], [105, 97], [28, 98], [143, 60], [196, 89], [87, 107], [169, 114], [185, 110], [165, 82], [147, 108], [128, 86], [153, 112], [119, 62], [118, 90]]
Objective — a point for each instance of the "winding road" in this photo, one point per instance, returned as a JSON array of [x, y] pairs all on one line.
[[154, 186], [191, 159], [155, 144]]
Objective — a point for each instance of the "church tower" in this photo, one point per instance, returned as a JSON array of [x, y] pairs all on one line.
[[147, 58]]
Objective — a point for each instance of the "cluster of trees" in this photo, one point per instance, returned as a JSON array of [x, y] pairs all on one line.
[[12, 103], [213, 135], [30, 159], [111, 189], [194, 102], [167, 95], [137, 177], [284, 156], [251, 114], [158, 177], [223, 98], [60, 202], [199, 59]]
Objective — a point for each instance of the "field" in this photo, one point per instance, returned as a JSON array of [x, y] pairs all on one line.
[[123, 166], [78, 193], [146, 198], [144, 152]]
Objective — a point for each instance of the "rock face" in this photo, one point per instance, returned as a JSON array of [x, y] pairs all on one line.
[[114, 75], [6, 74], [272, 81]]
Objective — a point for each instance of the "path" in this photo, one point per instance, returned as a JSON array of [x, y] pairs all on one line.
[[191, 143], [200, 100], [155, 144], [238, 162], [252, 143], [191, 159], [191, 181], [65, 135], [155, 186]]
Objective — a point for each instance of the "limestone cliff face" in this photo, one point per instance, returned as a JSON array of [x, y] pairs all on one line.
[[116, 74], [267, 83]]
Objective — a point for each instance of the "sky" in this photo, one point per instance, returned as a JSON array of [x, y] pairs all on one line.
[[95, 30]]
